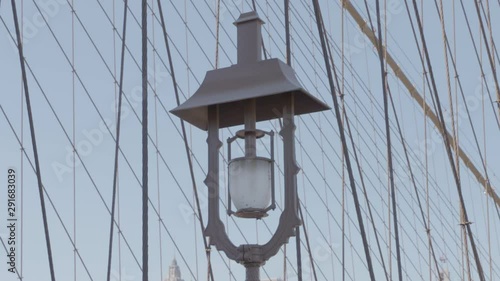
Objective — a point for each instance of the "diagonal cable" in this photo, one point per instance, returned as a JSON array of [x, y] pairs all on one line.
[[33, 141], [184, 136], [117, 144], [342, 137], [448, 146], [390, 168]]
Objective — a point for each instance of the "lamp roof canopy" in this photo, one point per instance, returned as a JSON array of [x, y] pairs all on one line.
[[269, 82]]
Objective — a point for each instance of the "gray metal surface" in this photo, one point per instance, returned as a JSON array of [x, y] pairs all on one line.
[[252, 272], [269, 82], [249, 37], [271, 90], [266, 81]]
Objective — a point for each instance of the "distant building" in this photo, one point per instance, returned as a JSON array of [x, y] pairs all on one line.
[[174, 272], [444, 274]]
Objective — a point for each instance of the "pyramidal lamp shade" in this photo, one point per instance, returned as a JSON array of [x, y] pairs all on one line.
[[269, 82]]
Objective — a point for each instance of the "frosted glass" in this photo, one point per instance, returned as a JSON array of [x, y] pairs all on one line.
[[250, 183]]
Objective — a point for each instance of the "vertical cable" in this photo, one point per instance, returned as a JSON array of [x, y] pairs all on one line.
[[289, 62], [426, 158], [457, 159], [73, 135], [158, 190], [483, 116], [309, 251], [33, 140], [145, 196], [217, 35], [304, 194], [485, 164], [264, 51], [217, 27], [287, 32], [484, 140]]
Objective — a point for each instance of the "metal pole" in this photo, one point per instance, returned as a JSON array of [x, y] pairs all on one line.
[[250, 120], [253, 271], [299, 255]]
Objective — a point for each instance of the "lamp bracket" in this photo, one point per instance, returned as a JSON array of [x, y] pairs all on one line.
[[251, 254], [289, 219]]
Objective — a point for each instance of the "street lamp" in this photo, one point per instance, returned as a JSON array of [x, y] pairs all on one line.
[[250, 91]]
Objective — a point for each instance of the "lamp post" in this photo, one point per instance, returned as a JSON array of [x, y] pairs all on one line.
[[250, 91]]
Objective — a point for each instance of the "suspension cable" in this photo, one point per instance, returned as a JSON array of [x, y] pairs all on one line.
[[478, 60], [254, 6], [388, 141], [108, 130], [323, 40], [289, 62], [486, 182], [22, 161], [410, 170], [416, 95], [157, 158], [44, 190], [342, 104], [145, 196], [135, 113], [308, 244], [33, 140], [7, 252], [365, 193], [184, 135], [490, 55], [447, 144], [117, 143], [217, 27], [73, 137]]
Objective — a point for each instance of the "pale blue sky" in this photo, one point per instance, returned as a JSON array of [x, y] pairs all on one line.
[[196, 46]]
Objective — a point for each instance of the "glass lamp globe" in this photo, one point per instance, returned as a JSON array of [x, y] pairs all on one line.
[[250, 185]]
